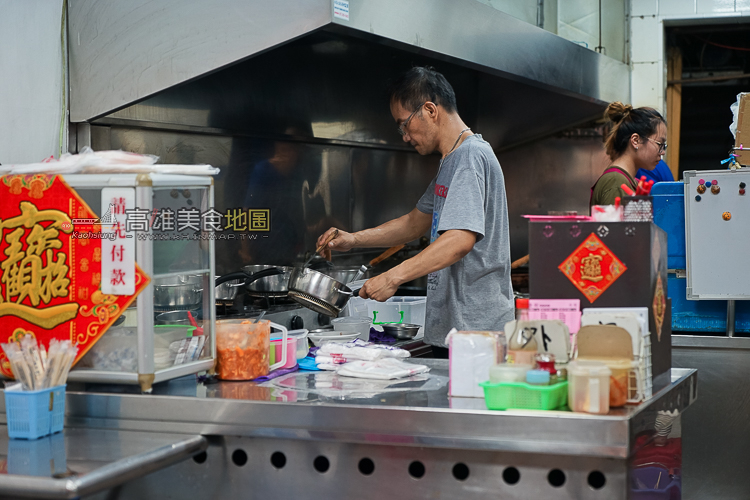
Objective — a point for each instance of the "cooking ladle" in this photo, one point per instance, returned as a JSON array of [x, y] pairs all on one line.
[[330, 238], [377, 260]]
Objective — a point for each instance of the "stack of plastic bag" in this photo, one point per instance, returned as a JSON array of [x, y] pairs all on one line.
[[383, 369], [108, 162], [365, 360]]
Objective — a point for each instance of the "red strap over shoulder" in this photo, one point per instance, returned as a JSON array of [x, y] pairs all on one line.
[[610, 169]]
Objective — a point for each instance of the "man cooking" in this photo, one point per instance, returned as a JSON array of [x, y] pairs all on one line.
[[465, 208]]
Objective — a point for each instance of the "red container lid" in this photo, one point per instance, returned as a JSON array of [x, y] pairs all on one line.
[[522, 303]]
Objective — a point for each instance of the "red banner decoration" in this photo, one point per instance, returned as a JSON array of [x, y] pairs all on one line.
[[592, 267], [50, 266], [659, 306]]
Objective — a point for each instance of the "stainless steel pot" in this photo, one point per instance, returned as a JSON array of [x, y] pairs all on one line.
[[178, 292], [271, 286], [185, 292], [318, 292], [228, 290], [235, 281], [344, 274]]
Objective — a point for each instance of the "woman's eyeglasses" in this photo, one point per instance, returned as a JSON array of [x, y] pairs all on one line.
[[662, 145]]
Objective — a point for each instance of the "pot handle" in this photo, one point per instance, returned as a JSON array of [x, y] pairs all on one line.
[[353, 293], [249, 278], [239, 275], [361, 272]]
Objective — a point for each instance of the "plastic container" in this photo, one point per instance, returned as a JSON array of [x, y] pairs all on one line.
[[117, 349], [537, 377], [588, 389], [622, 382], [353, 324], [291, 351], [34, 414], [242, 349], [394, 310], [521, 395], [508, 373], [301, 346]]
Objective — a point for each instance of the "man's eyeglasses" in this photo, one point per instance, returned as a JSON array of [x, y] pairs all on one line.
[[662, 145], [402, 127]]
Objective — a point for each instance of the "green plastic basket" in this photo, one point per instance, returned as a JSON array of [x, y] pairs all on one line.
[[520, 395]]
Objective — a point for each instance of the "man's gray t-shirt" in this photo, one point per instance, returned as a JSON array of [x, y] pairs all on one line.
[[474, 293]]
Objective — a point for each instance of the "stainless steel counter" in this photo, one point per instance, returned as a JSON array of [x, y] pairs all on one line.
[[81, 462], [321, 434]]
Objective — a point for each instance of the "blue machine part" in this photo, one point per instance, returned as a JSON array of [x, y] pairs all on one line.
[[669, 214], [703, 315], [688, 315]]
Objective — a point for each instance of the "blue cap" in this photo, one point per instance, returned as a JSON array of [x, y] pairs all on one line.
[[538, 377]]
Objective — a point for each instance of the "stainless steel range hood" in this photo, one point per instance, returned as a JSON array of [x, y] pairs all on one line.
[[124, 52]]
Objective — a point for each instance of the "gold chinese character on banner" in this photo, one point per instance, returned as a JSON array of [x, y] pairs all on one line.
[[591, 268], [39, 272], [260, 219]]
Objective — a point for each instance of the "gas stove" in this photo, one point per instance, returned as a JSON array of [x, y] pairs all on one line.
[[281, 310]]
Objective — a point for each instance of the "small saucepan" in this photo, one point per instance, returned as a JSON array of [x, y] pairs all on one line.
[[319, 292], [323, 294]]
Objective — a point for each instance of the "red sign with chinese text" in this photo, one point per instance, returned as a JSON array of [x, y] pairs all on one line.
[[50, 266], [592, 267]]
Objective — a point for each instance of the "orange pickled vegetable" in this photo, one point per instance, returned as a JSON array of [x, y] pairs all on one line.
[[618, 391], [242, 350]]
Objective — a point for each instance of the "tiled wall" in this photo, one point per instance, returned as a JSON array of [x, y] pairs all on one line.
[[31, 88], [648, 18]]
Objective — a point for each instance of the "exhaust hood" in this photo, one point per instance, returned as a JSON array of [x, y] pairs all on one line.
[[517, 82]]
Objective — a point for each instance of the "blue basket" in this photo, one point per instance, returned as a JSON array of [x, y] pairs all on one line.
[[34, 414]]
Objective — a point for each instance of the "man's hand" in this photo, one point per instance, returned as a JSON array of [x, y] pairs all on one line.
[[380, 288], [342, 243]]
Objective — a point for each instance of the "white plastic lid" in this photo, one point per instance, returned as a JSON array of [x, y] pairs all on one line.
[[583, 368], [351, 319], [301, 333]]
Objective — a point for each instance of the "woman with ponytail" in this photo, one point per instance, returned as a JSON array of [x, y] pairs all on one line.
[[637, 138]]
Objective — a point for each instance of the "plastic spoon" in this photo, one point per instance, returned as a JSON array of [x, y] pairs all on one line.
[[260, 317]]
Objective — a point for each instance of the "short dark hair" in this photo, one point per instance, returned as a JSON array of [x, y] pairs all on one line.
[[421, 84], [625, 121]]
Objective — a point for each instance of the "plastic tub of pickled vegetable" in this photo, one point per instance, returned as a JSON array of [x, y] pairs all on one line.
[[242, 349]]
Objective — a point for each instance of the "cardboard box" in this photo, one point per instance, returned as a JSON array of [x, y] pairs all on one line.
[[632, 272], [743, 130]]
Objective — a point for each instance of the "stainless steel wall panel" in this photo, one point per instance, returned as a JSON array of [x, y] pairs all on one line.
[[306, 187], [387, 184], [552, 174]]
